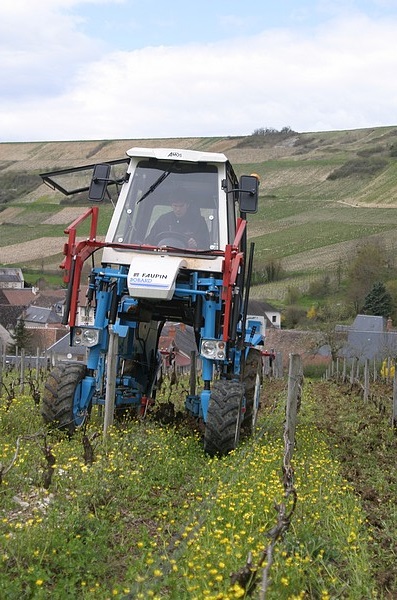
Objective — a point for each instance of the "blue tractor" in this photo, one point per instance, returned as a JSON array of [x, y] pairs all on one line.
[[175, 251]]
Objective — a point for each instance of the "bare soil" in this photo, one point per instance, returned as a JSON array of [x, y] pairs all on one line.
[[32, 250], [361, 436], [8, 214], [66, 215]]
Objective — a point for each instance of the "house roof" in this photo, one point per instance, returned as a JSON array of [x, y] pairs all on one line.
[[256, 307], [369, 339], [39, 314], [270, 307], [15, 297], [183, 336], [182, 360], [371, 345], [44, 337], [5, 337], [62, 346], [10, 275], [9, 315], [368, 323], [50, 298]]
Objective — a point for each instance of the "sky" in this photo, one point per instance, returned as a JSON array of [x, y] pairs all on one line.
[[132, 69]]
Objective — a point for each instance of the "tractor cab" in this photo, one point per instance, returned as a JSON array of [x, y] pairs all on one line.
[[182, 202]]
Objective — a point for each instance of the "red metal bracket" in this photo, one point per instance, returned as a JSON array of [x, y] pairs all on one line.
[[233, 260]]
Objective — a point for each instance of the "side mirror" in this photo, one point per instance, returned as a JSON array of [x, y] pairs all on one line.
[[99, 181], [248, 194]]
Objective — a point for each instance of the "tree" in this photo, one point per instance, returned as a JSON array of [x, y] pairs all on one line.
[[368, 267], [321, 287], [293, 295], [391, 287], [328, 319], [273, 269], [21, 337], [378, 301], [293, 316]]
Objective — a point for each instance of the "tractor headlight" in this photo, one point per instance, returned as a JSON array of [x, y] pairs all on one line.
[[85, 337], [213, 349]]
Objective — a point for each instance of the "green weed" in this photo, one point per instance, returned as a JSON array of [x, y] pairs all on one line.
[[153, 517]]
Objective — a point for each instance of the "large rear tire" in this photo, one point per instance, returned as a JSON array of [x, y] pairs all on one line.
[[252, 382], [222, 428], [59, 393]]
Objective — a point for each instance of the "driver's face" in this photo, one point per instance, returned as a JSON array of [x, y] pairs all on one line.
[[179, 208]]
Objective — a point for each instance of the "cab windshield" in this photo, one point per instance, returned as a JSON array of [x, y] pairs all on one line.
[[171, 203]]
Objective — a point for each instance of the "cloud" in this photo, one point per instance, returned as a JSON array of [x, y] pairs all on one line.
[[41, 46], [69, 86]]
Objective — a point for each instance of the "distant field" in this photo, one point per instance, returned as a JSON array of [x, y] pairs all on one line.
[[299, 239], [33, 250]]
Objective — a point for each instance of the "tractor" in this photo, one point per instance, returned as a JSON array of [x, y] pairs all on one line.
[[150, 273]]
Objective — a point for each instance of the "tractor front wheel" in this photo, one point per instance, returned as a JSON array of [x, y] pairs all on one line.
[[222, 427], [59, 393], [252, 382]]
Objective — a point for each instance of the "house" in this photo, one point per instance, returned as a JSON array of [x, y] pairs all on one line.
[[12, 304], [259, 307], [5, 338], [11, 279], [61, 350], [38, 317], [17, 296], [369, 337], [41, 310], [44, 323], [48, 298], [176, 343]]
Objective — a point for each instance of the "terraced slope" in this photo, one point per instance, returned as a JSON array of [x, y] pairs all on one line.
[[311, 215]]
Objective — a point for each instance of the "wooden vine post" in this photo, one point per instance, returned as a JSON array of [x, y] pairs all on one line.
[[193, 374], [111, 381], [22, 372], [394, 415], [352, 371], [295, 382], [366, 380], [2, 362]]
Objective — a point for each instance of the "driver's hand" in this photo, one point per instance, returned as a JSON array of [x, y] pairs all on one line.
[[192, 244]]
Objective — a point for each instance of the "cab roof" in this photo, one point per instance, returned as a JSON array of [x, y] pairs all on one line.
[[177, 154]]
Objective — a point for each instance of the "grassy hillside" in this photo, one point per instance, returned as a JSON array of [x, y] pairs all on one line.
[[321, 194]]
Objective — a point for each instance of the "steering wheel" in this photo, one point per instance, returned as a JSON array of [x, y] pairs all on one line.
[[168, 238]]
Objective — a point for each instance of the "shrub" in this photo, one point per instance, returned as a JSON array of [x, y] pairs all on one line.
[[272, 271], [265, 134], [16, 184], [367, 152], [293, 316], [320, 288], [360, 167]]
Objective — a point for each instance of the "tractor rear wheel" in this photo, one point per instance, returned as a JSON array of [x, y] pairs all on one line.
[[59, 393], [222, 428], [252, 382]]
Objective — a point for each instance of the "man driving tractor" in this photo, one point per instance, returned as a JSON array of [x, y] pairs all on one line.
[[182, 220]]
